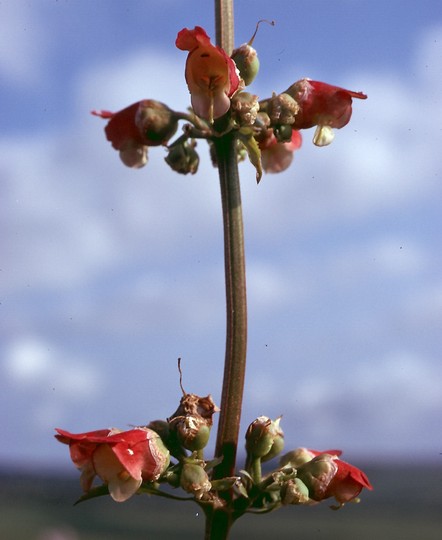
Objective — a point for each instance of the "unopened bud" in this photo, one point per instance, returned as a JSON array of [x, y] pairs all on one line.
[[262, 435], [195, 480], [192, 421], [294, 492], [283, 133], [183, 158], [192, 432], [247, 62]]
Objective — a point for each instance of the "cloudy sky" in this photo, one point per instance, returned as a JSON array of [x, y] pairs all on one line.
[[108, 275]]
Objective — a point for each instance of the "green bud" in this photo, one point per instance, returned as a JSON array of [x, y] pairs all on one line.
[[192, 432], [294, 492], [247, 62], [195, 480], [183, 158], [262, 435], [283, 133]]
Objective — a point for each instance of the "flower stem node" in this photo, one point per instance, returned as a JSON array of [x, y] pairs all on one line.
[[183, 157]]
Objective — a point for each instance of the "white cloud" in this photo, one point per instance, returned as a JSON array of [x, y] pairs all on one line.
[[28, 361], [53, 379], [23, 43]]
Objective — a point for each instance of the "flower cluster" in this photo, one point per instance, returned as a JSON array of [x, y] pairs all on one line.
[[268, 130], [304, 476], [139, 460]]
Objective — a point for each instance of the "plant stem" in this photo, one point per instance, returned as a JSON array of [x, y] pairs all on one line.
[[219, 521], [236, 338], [224, 24]]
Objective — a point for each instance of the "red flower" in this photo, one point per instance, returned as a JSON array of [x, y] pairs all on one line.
[[327, 476], [142, 124], [347, 483], [322, 105], [122, 459], [277, 156], [211, 74]]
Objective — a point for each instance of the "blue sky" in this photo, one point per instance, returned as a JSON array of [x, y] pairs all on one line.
[[108, 275]]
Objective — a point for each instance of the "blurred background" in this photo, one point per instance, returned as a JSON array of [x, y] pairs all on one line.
[[108, 274]]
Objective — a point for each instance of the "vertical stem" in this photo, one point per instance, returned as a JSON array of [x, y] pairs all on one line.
[[224, 24], [236, 338], [219, 521]]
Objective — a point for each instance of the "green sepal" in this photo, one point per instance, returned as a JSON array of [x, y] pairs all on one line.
[[253, 151]]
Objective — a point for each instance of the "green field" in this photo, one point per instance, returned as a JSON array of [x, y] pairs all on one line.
[[406, 505]]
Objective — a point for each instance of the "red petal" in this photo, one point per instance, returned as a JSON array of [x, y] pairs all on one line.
[[188, 40]]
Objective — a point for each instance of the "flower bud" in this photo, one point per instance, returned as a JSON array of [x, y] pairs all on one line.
[[192, 431], [195, 480], [247, 62], [294, 492], [264, 438], [192, 421], [183, 158], [245, 108], [283, 133]]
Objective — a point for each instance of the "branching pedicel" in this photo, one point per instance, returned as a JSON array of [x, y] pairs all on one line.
[[144, 459]]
